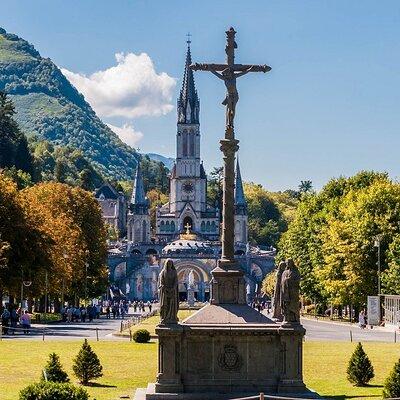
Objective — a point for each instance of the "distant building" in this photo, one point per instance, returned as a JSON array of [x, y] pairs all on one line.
[[113, 207], [138, 221], [187, 228]]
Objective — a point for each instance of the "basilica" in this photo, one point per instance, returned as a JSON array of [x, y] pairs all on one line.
[[187, 227]]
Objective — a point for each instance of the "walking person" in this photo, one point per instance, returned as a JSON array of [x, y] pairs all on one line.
[[26, 322], [362, 319], [13, 320], [5, 320]]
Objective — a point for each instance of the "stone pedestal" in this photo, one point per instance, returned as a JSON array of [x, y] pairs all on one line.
[[226, 351]]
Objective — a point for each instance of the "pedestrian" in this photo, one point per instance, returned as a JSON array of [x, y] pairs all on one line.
[[108, 312], [5, 320], [150, 306], [83, 314], [13, 320], [26, 322], [122, 312], [69, 314], [361, 319]]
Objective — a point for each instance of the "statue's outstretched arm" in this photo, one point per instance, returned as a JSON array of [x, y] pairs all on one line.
[[243, 72], [218, 75]]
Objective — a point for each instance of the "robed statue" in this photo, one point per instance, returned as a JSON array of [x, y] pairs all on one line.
[[276, 301], [290, 293], [168, 293]]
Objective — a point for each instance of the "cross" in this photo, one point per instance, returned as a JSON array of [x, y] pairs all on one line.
[[188, 35], [187, 226], [229, 72]]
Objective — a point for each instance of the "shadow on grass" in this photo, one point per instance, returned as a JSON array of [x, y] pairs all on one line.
[[100, 385]]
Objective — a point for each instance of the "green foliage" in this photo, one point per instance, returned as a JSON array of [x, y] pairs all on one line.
[[268, 283], [267, 214], [87, 365], [360, 370], [392, 383], [331, 237], [53, 371], [49, 106], [141, 336], [53, 391], [14, 150]]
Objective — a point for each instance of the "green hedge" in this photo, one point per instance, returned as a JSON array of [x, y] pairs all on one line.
[[53, 391], [141, 336]]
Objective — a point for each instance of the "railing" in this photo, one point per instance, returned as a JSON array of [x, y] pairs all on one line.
[[135, 320]]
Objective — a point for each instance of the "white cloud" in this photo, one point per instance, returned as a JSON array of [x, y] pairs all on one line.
[[130, 89], [127, 134]]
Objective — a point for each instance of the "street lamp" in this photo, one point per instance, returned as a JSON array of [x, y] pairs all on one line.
[[377, 244], [86, 278]]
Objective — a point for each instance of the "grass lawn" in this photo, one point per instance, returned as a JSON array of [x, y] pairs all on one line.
[[130, 365], [151, 323]]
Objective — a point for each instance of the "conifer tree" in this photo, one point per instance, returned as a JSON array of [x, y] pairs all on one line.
[[53, 371], [392, 382], [87, 365], [360, 370]]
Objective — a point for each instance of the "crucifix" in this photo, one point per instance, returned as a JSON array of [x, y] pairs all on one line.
[[187, 226], [228, 73]]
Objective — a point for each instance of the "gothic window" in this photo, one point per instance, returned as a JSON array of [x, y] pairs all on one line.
[[172, 226], [184, 144], [208, 226], [162, 226], [167, 226], [192, 145], [213, 226], [203, 226], [144, 231]]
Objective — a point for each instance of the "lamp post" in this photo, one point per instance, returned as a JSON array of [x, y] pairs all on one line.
[[65, 255], [86, 278], [377, 244]]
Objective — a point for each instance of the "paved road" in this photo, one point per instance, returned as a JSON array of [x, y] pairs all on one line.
[[102, 327], [315, 330], [335, 331]]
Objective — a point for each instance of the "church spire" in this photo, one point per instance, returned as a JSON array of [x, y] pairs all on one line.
[[240, 200], [188, 101], [138, 195]]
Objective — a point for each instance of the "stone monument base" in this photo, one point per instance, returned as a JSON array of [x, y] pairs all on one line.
[[226, 351]]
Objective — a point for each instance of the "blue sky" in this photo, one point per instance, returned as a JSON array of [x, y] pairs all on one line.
[[328, 107]]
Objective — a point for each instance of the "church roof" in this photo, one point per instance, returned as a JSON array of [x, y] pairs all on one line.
[[188, 102], [108, 191], [138, 194], [240, 200]]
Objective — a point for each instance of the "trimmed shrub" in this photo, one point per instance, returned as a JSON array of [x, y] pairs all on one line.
[[53, 371], [87, 365], [141, 336], [360, 370], [392, 383], [53, 391]]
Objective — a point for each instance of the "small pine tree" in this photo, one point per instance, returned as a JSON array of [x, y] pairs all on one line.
[[360, 370], [53, 371], [392, 383], [87, 365]]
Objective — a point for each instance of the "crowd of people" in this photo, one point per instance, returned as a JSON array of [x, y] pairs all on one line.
[[13, 318]]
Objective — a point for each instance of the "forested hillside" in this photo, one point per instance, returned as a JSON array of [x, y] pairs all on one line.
[[49, 107]]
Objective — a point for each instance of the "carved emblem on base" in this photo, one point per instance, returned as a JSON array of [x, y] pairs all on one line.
[[229, 359]]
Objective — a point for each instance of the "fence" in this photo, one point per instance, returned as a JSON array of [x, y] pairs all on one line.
[[136, 320]]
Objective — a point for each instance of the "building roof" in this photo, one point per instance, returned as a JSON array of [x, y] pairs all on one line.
[[108, 191], [240, 200], [188, 106], [138, 195]]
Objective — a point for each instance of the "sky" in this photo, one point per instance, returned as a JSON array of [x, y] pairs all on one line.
[[329, 106]]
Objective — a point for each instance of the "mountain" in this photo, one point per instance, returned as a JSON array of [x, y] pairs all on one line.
[[49, 107], [167, 161]]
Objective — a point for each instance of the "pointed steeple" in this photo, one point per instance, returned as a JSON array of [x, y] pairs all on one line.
[[240, 200], [188, 102], [138, 198]]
